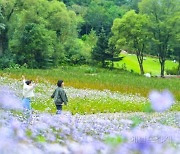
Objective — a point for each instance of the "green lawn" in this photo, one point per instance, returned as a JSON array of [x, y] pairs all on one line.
[[151, 65]]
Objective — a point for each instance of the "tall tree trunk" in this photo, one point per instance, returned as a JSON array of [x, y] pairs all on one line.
[[141, 68], [162, 58], [162, 67], [140, 56], [112, 64], [5, 40]]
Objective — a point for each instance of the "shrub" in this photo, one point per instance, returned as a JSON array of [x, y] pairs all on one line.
[[7, 60], [173, 71]]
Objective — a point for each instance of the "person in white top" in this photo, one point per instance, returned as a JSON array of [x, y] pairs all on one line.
[[28, 93]]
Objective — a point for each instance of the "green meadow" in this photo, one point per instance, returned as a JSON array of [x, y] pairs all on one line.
[[92, 78], [87, 106], [151, 64], [85, 77]]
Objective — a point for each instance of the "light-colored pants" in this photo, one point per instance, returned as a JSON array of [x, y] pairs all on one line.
[[27, 108], [26, 103]]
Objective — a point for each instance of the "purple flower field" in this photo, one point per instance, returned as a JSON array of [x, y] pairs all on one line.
[[106, 133]]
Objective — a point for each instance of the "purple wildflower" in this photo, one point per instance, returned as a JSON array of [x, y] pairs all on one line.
[[161, 101], [8, 99]]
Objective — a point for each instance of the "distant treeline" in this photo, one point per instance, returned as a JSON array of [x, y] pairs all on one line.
[[48, 33]]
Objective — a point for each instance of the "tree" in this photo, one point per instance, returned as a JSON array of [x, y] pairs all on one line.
[[100, 53], [175, 45], [61, 20], [133, 5], [57, 20], [78, 2], [163, 15], [100, 14], [7, 11], [35, 46], [89, 42], [2, 27], [131, 33]]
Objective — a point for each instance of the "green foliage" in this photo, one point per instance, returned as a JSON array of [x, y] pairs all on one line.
[[69, 29], [175, 47], [7, 60], [77, 53], [116, 140], [91, 70], [90, 40], [2, 26], [63, 21], [78, 2], [164, 17], [101, 14], [100, 53], [173, 71], [35, 47], [40, 45], [131, 33]]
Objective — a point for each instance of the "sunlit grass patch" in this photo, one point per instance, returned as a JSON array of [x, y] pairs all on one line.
[[94, 106], [151, 64], [89, 106]]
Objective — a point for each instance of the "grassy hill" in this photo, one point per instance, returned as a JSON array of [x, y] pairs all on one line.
[[151, 65]]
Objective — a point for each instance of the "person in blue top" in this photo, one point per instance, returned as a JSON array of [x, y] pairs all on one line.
[[59, 96]]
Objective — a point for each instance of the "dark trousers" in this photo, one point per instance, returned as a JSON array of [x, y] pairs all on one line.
[[59, 107]]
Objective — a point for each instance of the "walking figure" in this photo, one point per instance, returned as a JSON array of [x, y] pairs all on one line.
[[59, 96]]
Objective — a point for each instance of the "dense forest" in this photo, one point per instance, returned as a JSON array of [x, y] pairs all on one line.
[[49, 33]]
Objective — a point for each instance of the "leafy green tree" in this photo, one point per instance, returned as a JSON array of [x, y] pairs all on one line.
[[101, 14], [90, 39], [8, 8], [175, 45], [64, 22], [113, 54], [163, 15], [61, 20], [78, 2], [89, 42], [2, 27], [177, 57], [100, 53], [133, 5], [35, 46], [57, 20], [76, 52], [131, 33]]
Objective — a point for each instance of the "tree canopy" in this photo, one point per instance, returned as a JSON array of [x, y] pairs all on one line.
[[48, 33]]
